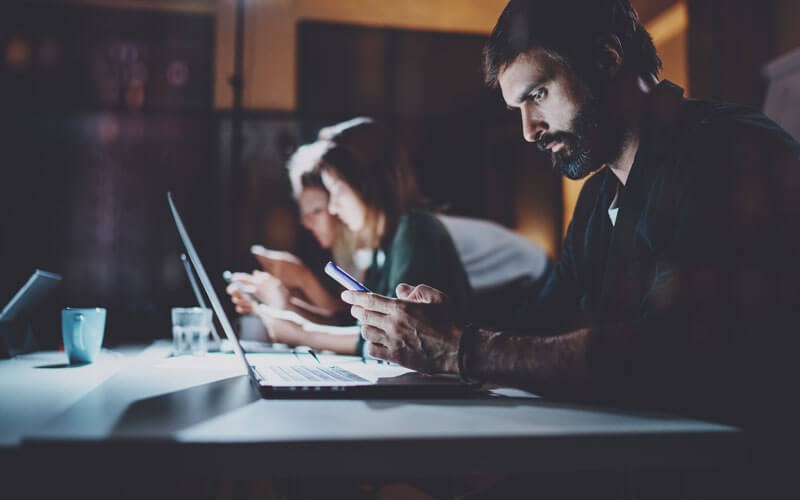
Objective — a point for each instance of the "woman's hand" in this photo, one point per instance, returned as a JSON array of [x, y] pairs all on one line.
[[284, 331], [240, 296], [282, 265], [264, 287]]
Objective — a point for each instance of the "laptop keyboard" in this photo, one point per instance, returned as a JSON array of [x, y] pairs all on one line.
[[306, 374]]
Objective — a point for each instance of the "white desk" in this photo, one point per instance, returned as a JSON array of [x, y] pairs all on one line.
[[36, 387], [203, 414]]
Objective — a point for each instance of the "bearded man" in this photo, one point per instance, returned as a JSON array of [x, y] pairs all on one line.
[[678, 284]]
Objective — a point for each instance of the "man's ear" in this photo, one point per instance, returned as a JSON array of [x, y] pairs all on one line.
[[609, 55]]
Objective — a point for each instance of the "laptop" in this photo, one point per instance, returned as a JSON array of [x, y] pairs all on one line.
[[36, 289], [217, 344], [276, 380]]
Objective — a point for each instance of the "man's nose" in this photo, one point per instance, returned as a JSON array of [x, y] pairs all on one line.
[[533, 126]]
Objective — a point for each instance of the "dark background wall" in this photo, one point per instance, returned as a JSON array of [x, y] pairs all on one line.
[[731, 41], [428, 88], [102, 110], [107, 109]]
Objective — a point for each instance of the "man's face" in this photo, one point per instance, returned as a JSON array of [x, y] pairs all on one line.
[[559, 112]]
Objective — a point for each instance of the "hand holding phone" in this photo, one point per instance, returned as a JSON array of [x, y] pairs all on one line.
[[344, 279], [228, 277], [283, 265]]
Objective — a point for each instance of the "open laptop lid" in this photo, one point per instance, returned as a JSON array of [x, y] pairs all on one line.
[[197, 295], [209, 289]]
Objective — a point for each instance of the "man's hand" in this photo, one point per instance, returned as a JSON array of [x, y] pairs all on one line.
[[282, 265], [418, 330]]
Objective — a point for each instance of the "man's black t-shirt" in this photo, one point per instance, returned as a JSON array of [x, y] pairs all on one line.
[[692, 295]]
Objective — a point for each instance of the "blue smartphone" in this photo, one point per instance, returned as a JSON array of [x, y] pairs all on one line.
[[343, 278]]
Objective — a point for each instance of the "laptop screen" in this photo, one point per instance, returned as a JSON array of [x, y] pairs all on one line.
[[207, 287]]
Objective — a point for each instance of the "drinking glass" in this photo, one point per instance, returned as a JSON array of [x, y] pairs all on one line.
[[190, 330]]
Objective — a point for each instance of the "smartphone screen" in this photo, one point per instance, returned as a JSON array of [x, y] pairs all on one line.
[[344, 279]]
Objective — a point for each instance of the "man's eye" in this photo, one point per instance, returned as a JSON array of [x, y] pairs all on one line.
[[538, 95]]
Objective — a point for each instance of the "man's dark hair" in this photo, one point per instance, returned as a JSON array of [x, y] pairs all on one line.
[[569, 30]]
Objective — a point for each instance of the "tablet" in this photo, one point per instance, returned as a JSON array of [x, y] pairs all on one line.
[[38, 286]]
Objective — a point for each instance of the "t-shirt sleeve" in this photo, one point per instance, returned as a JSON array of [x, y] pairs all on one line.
[[423, 253]]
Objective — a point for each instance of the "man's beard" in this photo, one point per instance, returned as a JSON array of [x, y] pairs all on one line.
[[575, 159]]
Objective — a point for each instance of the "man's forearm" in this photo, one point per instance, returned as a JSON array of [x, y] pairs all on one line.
[[556, 365]]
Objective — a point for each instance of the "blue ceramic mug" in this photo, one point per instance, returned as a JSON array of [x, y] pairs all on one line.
[[82, 330]]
